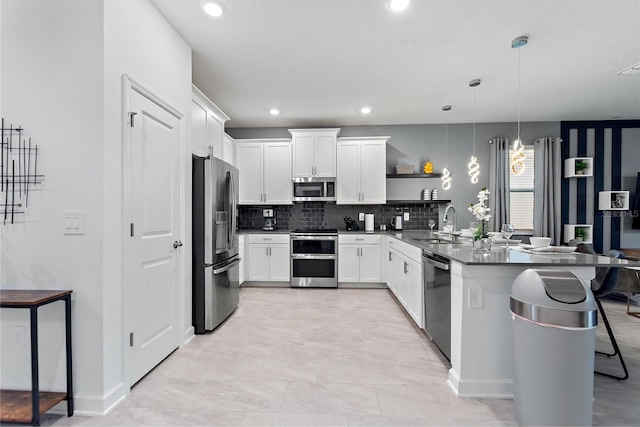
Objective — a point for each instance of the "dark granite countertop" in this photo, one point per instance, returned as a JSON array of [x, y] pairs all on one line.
[[464, 253]]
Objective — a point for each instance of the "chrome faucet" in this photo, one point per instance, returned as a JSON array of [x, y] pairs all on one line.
[[455, 218]]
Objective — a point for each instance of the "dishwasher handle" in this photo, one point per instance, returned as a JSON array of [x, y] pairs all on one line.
[[435, 263]]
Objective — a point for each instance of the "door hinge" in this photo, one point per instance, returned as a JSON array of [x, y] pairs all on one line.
[[131, 339], [131, 115], [131, 230]]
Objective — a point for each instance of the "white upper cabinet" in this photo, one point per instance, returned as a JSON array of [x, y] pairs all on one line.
[[361, 170], [228, 149], [207, 126], [314, 152], [265, 171]]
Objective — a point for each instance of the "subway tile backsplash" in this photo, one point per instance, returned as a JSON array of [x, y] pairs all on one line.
[[330, 215]]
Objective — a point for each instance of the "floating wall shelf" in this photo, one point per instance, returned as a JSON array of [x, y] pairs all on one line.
[[414, 175], [573, 231], [613, 201], [577, 167]]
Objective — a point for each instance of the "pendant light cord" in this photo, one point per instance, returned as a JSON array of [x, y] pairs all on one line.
[[519, 80], [474, 120]]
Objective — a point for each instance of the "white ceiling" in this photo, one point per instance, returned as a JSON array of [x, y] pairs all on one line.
[[319, 61]]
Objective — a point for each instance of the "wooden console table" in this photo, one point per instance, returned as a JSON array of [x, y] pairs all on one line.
[[23, 406]]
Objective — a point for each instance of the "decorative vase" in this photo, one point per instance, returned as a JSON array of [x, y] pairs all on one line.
[[482, 242]]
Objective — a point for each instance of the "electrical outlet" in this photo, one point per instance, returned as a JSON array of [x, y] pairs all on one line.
[[475, 297], [406, 216], [18, 337], [361, 216]]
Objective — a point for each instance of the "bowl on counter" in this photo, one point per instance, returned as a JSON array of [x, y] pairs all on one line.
[[540, 242]]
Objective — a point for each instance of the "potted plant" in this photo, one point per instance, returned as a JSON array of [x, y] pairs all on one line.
[[580, 234], [580, 167]]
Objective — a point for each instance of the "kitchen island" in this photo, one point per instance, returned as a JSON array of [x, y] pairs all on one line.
[[481, 345]]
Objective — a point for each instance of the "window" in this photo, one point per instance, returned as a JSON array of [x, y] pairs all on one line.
[[521, 193]]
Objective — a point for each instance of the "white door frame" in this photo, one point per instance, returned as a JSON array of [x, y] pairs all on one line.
[[128, 85]]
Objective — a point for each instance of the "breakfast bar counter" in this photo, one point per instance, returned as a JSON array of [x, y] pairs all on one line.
[[481, 344]]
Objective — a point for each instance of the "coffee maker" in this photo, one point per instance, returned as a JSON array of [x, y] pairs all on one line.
[[269, 216]]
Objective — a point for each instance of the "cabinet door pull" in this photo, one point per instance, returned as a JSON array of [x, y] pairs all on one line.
[[406, 267], [389, 255]]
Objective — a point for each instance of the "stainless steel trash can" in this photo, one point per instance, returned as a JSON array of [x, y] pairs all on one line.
[[553, 324]]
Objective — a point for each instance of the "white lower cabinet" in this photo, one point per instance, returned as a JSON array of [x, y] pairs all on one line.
[[360, 259], [404, 277], [267, 258]]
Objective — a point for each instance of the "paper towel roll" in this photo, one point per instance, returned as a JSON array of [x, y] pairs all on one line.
[[368, 222]]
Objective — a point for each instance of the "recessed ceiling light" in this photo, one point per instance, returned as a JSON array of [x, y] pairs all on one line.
[[365, 110], [398, 5], [213, 8], [274, 111]]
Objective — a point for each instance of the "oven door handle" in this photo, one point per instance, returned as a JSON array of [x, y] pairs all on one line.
[[437, 264], [314, 237], [313, 256]]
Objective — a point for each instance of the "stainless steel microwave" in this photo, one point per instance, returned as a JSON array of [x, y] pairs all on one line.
[[314, 189]]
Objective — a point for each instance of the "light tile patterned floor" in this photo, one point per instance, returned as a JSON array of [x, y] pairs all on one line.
[[345, 357]]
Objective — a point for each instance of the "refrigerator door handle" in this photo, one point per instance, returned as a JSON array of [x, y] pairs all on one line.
[[232, 210], [226, 267]]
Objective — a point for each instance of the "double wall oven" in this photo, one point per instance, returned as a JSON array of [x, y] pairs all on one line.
[[314, 258]]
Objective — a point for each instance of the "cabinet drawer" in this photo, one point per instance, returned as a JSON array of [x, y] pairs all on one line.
[[359, 239], [268, 238]]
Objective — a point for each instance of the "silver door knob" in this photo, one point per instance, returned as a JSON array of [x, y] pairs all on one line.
[[177, 244]]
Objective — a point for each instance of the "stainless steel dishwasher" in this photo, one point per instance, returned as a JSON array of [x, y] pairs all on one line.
[[437, 300]]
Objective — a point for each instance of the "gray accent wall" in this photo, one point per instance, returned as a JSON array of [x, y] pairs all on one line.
[[416, 144], [630, 165]]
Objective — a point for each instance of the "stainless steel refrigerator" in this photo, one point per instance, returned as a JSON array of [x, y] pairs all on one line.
[[216, 285]]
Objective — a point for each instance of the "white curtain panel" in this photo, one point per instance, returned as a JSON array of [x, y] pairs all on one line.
[[547, 193], [499, 182]]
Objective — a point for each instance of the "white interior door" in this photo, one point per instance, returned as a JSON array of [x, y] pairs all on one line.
[[155, 202]]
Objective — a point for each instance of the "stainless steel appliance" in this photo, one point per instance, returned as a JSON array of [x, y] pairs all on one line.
[[396, 222], [269, 216], [314, 258], [314, 189], [216, 285], [437, 300]]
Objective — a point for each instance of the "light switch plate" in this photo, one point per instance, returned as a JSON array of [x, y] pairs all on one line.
[[406, 216], [73, 222], [361, 216]]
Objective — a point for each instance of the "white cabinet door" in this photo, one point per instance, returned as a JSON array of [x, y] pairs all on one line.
[[391, 256], [348, 263], [413, 292], [243, 261], [198, 129], [348, 173], [215, 129], [249, 163], [325, 155], [279, 258], [303, 154], [257, 268], [228, 149], [374, 179], [278, 185], [371, 264]]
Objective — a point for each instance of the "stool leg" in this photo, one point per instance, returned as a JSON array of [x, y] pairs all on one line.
[[614, 343], [35, 384]]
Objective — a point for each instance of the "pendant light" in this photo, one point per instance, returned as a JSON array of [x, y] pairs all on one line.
[[518, 157], [446, 173], [474, 167]]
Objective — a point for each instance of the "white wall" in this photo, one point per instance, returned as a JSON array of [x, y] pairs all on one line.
[[140, 43], [62, 67], [52, 86]]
